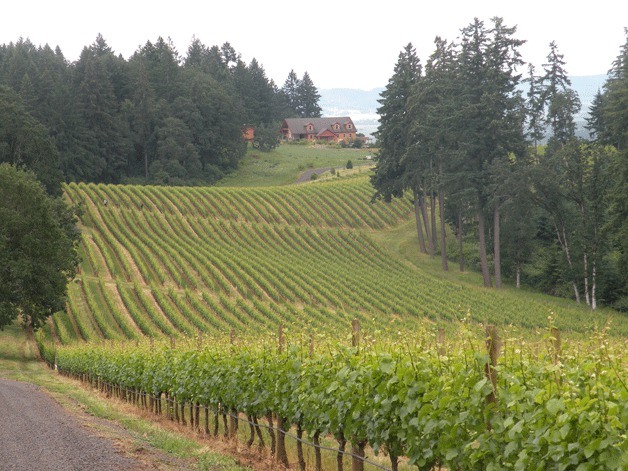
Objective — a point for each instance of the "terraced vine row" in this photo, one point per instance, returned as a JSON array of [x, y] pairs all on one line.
[[171, 261]]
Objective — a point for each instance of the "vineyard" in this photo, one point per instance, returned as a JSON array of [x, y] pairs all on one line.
[[172, 261], [182, 291], [431, 402]]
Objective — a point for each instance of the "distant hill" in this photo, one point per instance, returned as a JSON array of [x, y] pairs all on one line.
[[362, 105]]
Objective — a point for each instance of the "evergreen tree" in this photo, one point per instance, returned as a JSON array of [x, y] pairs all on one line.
[[24, 142], [104, 145], [430, 107], [490, 119], [308, 106], [392, 177], [535, 109], [177, 159], [144, 119], [290, 90], [229, 57], [609, 122], [613, 129], [256, 92], [561, 101]]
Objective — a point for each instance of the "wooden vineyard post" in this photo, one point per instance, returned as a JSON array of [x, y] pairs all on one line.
[[311, 345], [492, 347], [355, 334]]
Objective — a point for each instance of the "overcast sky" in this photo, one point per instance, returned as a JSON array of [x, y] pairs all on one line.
[[342, 44]]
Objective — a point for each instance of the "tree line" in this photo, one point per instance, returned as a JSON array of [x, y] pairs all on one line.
[[158, 117], [492, 154], [155, 118]]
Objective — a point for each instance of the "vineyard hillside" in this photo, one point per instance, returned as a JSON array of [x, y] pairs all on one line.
[[173, 261]]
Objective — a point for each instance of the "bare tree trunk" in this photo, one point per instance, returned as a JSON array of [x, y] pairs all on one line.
[[419, 228], [587, 299], [145, 162], [562, 240], [433, 217], [443, 241], [483, 261], [593, 274], [461, 254], [426, 223], [518, 274], [497, 260]]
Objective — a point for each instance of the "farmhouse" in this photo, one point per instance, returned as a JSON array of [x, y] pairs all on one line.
[[334, 129]]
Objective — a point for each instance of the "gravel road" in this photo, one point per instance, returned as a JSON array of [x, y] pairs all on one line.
[[307, 175], [37, 434]]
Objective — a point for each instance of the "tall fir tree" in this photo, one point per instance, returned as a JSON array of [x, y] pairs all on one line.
[[392, 176], [490, 119], [308, 106], [290, 90]]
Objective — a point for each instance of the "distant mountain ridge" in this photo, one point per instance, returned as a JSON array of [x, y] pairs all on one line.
[[361, 105]]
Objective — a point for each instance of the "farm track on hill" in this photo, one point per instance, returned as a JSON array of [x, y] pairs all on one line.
[[37, 433]]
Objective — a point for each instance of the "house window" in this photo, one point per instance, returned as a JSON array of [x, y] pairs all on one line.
[[348, 126]]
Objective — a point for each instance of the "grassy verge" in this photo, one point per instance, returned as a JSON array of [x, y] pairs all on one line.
[[403, 241], [154, 443]]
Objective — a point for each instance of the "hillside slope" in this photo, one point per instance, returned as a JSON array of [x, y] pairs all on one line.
[[175, 261]]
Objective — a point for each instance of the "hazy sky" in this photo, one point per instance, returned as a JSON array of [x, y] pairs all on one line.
[[352, 44]]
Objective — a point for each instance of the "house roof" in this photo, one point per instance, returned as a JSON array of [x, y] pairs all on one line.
[[297, 125]]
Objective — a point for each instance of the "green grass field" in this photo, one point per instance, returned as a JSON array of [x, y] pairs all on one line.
[[283, 165]]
